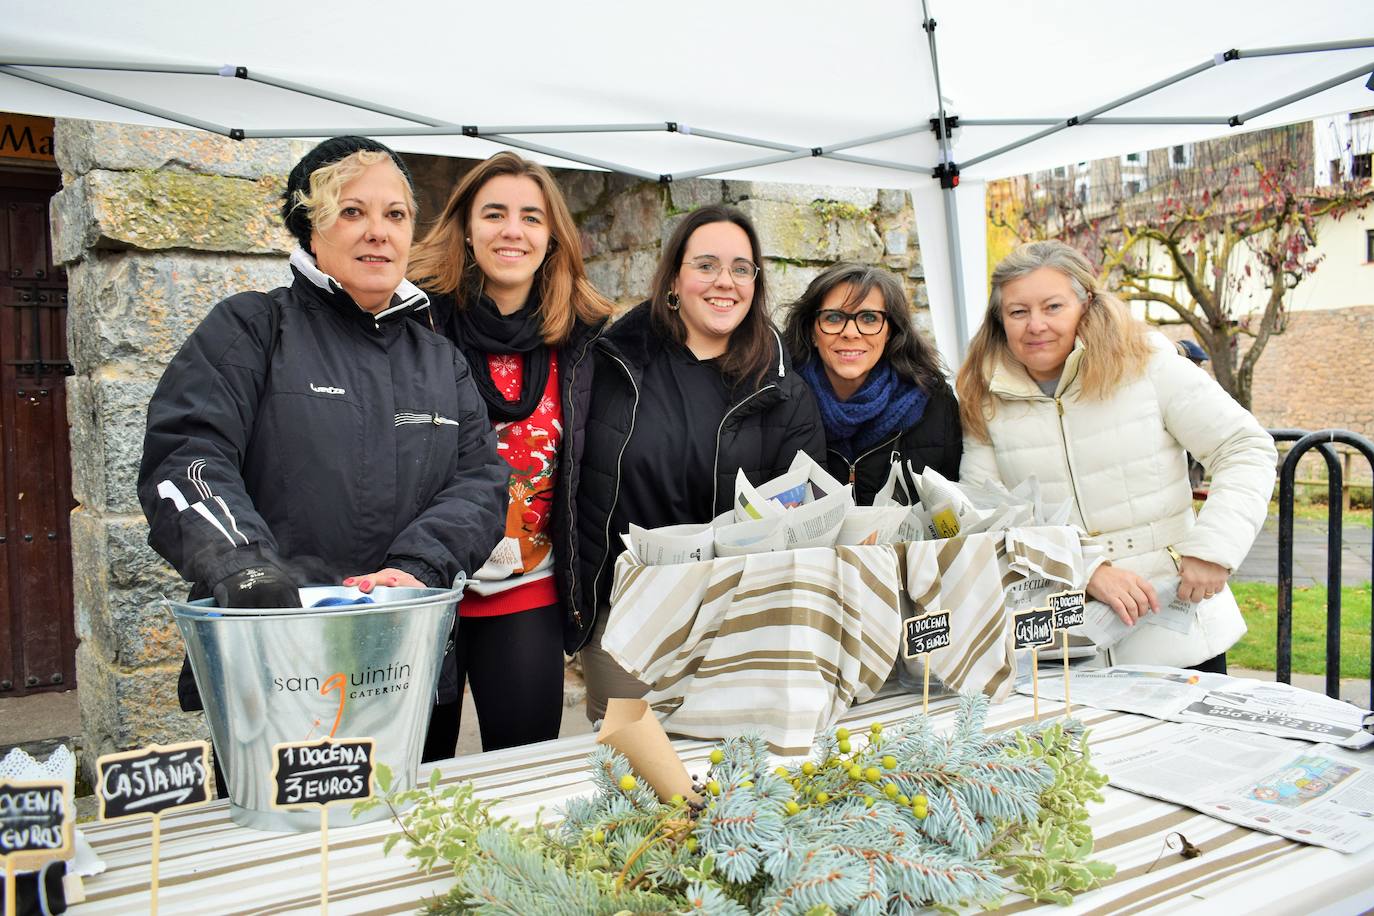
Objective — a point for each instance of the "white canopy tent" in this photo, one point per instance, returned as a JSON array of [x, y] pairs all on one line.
[[775, 90]]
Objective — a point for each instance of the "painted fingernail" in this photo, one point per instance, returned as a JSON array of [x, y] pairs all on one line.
[[391, 581], [365, 586], [350, 580]]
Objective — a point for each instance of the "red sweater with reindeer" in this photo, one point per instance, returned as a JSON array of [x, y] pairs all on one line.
[[518, 576]]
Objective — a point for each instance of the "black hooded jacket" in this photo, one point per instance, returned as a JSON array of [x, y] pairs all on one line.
[[761, 433], [295, 427]]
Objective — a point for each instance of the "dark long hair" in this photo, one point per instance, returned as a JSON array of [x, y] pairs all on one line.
[[751, 350], [907, 351]]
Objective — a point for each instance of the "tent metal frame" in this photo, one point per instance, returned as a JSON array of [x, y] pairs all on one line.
[[947, 170]]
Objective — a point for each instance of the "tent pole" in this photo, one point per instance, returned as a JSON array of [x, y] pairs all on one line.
[[949, 180], [112, 99], [956, 264], [879, 163], [1302, 94], [572, 157], [736, 166], [1308, 49]]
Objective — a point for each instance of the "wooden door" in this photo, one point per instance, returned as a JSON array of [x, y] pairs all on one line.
[[37, 641]]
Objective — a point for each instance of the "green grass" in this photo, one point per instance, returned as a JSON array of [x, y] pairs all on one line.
[[1317, 512], [1259, 603]]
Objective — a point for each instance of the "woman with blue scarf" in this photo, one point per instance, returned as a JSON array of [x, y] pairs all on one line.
[[881, 392]]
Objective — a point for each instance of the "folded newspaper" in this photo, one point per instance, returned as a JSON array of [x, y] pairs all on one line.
[[1182, 695], [1318, 794], [807, 507]]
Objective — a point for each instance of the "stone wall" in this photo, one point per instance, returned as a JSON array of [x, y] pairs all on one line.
[[154, 227], [802, 228]]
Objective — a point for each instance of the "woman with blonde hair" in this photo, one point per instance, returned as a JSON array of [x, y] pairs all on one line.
[[314, 434], [503, 267], [1063, 384]]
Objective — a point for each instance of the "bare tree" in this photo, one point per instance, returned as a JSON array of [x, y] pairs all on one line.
[[1196, 229]]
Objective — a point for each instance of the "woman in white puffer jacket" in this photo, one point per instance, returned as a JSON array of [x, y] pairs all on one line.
[[1063, 384]]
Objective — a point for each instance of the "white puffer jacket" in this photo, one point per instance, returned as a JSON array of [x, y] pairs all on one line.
[[1122, 461]]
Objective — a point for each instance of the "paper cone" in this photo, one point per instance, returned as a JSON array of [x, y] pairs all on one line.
[[632, 729]]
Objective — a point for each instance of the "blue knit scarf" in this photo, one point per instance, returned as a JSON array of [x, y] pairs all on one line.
[[885, 403]]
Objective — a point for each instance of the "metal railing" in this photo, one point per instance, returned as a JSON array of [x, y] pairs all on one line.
[[1303, 443]]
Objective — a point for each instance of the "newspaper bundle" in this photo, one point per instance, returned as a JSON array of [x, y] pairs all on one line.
[[1318, 794], [1183, 695]]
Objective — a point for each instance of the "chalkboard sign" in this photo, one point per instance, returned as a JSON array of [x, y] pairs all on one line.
[[1069, 609], [927, 632], [320, 772], [153, 779], [1033, 628], [35, 821]]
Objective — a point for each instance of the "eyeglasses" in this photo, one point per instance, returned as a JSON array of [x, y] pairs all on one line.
[[868, 321], [707, 269]]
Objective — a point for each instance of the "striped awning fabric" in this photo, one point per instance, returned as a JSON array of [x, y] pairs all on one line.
[[211, 866], [969, 576], [778, 643]]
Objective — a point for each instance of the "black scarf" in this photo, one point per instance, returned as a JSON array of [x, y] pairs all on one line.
[[480, 329]]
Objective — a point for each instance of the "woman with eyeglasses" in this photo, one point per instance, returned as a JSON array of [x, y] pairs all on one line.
[[503, 266], [881, 393], [692, 386]]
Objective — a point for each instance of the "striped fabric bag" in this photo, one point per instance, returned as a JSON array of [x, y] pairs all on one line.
[[969, 576], [776, 643]]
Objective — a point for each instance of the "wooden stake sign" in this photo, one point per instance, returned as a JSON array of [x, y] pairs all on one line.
[[149, 781], [318, 773], [1031, 630], [35, 827], [1070, 610], [924, 634]]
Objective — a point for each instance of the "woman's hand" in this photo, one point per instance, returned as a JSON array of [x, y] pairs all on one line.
[[390, 577], [1199, 579], [1124, 592]]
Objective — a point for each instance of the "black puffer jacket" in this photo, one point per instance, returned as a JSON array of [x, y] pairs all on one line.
[[575, 373], [761, 433], [937, 441], [295, 427]]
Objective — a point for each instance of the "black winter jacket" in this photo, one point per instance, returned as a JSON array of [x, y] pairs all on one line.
[[362, 444], [575, 382], [937, 441], [761, 433]]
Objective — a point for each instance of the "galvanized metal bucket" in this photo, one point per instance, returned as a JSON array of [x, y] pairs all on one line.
[[297, 674]]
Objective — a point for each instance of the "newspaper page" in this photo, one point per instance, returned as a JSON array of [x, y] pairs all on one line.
[[870, 525], [817, 524], [1182, 695], [671, 544], [1316, 794]]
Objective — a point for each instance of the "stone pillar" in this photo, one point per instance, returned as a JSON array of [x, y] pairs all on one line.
[[154, 227]]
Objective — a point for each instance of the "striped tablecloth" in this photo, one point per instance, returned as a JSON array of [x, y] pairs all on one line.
[[210, 866]]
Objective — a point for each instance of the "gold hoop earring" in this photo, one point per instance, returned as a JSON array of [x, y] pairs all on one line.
[[673, 302]]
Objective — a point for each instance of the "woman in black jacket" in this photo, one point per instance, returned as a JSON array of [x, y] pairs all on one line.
[[879, 386], [503, 265], [691, 387], [315, 433]]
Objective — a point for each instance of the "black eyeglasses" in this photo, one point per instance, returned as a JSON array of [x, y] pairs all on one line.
[[707, 268], [868, 321]]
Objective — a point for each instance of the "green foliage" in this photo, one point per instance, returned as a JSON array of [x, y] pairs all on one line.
[[1259, 603], [892, 821]]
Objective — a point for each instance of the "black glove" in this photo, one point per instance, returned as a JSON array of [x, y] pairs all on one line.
[[264, 586]]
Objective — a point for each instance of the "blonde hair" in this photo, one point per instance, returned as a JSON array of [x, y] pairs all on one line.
[[321, 202], [1115, 346], [442, 263]]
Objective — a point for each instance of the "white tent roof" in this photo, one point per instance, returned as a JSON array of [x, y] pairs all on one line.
[[792, 75]]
